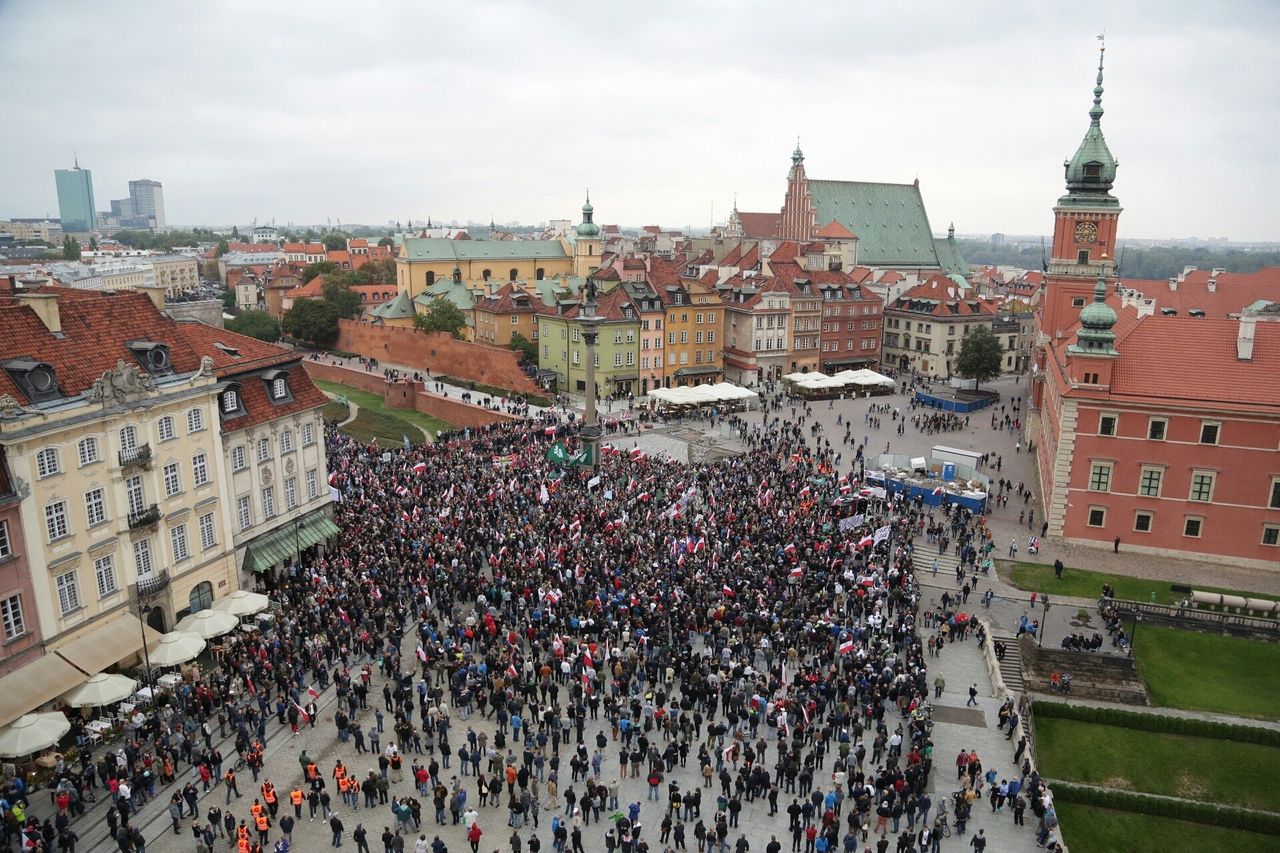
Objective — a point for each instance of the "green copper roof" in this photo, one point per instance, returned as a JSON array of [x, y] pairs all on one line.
[[889, 220], [397, 309], [1091, 172], [588, 228], [439, 249], [949, 257], [1096, 322], [455, 292]]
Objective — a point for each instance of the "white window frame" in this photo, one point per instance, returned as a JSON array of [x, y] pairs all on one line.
[[263, 452], [244, 512], [1164, 429], [15, 623], [172, 479], [279, 388], [88, 450], [1213, 482], [268, 502], [1115, 423], [1275, 530], [286, 441], [57, 522], [143, 562], [104, 574], [135, 495], [195, 420], [67, 586], [178, 543], [1147, 514], [313, 484], [1158, 471], [1217, 434], [200, 468], [129, 438], [165, 429], [95, 506], [1088, 519], [291, 493], [1186, 522], [208, 532], [6, 546], [239, 458], [47, 463], [1107, 470], [308, 434]]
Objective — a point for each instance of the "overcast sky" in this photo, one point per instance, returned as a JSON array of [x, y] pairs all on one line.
[[369, 112]]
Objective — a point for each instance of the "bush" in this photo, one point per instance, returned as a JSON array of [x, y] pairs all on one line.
[[1147, 804], [1160, 723]]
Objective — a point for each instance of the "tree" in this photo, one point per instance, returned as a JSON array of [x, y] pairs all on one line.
[[314, 320], [377, 272], [235, 231], [442, 316], [524, 346], [980, 355], [93, 243], [334, 241], [337, 292], [256, 324], [229, 298], [70, 248], [318, 268], [386, 241], [223, 248]]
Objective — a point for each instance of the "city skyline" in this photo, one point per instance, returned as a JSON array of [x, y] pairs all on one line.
[[666, 122]]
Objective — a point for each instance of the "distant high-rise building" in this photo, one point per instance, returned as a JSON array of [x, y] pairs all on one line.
[[75, 199], [147, 197], [122, 208]]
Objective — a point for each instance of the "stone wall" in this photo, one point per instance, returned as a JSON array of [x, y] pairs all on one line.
[[408, 395], [1113, 678], [437, 352]]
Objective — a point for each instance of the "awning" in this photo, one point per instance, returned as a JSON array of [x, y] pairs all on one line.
[[697, 371], [106, 645], [281, 546], [840, 361], [39, 682]]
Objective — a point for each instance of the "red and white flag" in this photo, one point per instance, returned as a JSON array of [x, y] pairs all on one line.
[[797, 573], [845, 647]]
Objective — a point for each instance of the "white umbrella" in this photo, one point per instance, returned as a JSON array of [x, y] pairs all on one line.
[[242, 603], [208, 623], [32, 732], [176, 647], [102, 689]]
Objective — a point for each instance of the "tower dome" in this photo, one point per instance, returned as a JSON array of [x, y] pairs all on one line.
[[1097, 319], [588, 228], [1091, 172]]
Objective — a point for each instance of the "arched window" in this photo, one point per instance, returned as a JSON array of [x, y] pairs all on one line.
[[431, 278], [541, 273], [201, 596], [129, 438], [486, 274], [514, 272]]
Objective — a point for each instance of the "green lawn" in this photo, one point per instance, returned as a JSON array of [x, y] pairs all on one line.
[[1194, 768], [1082, 583], [383, 417], [1209, 672], [1088, 829], [335, 412]]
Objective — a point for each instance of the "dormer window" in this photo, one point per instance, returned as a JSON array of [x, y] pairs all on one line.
[[152, 355], [36, 379], [277, 386], [230, 403], [1092, 170]]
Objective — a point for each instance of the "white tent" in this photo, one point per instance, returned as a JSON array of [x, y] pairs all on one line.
[[870, 377], [697, 395], [796, 377]]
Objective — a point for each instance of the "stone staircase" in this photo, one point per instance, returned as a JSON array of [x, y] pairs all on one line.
[[922, 561], [1011, 666]]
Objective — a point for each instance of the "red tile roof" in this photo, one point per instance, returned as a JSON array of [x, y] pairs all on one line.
[[759, 225], [731, 259], [833, 230], [939, 296], [1232, 291], [295, 248], [509, 299]]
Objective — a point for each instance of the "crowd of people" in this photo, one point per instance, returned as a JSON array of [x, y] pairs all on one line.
[[757, 616]]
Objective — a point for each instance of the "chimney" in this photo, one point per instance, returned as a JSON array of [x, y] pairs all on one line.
[[155, 292], [1213, 284], [1173, 285], [46, 307], [1185, 270], [1244, 338]]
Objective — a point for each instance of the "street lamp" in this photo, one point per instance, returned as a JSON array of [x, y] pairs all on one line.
[[1133, 635], [1044, 622]]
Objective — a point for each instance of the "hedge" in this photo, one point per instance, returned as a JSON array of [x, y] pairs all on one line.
[[1211, 814], [1159, 723]]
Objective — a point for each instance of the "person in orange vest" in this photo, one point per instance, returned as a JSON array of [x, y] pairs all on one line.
[[242, 835], [264, 825], [313, 771], [230, 780], [256, 809], [296, 797], [339, 771], [270, 798]]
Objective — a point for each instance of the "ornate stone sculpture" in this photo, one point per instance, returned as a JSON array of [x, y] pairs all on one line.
[[120, 384], [11, 408]]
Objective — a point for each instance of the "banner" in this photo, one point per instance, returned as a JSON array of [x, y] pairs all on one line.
[[558, 454], [848, 523]]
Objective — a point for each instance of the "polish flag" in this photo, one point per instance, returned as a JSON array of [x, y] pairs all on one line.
[[420, 468], [806, 491], [727, 590], [553, 597], [790, 549], [511, 670], [797, 573], [845, 647], [938, 491], [866, 542], [313, 693], [637, 454]]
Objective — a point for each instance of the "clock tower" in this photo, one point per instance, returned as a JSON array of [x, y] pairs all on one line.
[[1084, 230]]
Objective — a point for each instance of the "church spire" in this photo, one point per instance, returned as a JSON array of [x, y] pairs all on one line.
[[797, 156], [1095, 114], [1091, 172]]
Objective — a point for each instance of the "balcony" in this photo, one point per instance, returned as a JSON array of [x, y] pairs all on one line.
[[139, 456], [152, 583], [144, 518]]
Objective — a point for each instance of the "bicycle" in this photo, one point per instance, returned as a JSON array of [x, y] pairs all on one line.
[[941, 827]]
